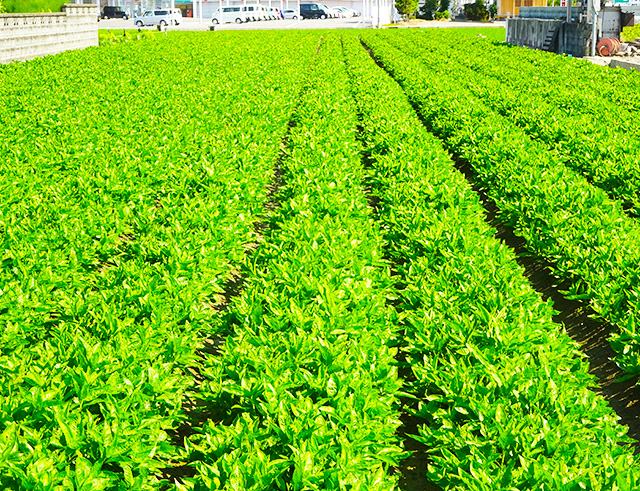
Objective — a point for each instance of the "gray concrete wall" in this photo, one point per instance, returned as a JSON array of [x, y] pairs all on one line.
[[574, 39], [26, 36], [529, 32], [571, 38]]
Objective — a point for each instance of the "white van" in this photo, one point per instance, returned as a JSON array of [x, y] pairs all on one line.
[[159, 17], [229, 14], [255, 12]]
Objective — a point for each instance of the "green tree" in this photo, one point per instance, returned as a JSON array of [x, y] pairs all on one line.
[[476, 11], [429, 8], [407, 8]]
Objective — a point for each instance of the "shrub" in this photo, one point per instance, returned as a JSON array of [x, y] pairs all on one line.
[[441, 15], [24, 6], [630, 33], [407, 8], [476, 11]]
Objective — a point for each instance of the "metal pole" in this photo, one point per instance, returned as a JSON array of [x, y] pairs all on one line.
[[568, 10], [594, 34], [594, 29]]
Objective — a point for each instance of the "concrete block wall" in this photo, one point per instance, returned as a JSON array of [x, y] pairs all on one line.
[[26, 36], [572, 38], [529, 32]]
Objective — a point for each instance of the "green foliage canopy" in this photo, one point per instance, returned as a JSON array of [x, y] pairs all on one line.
[[407, 8]]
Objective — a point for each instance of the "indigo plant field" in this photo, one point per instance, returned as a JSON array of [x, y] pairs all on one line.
[[359, 260]]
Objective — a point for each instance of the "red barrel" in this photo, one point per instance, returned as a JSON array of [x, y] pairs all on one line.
[[608, 46]]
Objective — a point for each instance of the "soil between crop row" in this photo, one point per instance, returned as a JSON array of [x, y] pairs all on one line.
[[412, 471], [197, 412]]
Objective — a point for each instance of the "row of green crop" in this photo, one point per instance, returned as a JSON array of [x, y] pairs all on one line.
[[617, 86], [305, 389], [501, 391], [122, 219], [572, 85], [592, 85], [564, 219], [587, 135]]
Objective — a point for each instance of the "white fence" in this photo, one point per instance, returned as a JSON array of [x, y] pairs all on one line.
[[25, 36]]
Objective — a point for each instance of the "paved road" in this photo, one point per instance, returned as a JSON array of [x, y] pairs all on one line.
[[197, 25]]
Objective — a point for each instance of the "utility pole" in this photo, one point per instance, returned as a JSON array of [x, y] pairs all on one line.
[[595, 6]]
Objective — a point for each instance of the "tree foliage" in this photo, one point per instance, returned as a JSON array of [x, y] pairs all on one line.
[[435, 9], [476, 11], [407, 8]]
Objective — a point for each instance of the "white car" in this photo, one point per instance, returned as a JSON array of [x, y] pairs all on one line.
[[225, 15], [291, 14], [159, 17], [347, 12]]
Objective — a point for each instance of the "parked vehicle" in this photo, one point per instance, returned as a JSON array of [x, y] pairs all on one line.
[[347, 12], [313, 11], [291, 14], [111, 12], [274, 13], [225, 15], [159, 17], [334, 12], [255, 12]]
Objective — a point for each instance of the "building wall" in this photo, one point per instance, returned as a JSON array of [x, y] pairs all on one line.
[[511, 8], [26, 36]]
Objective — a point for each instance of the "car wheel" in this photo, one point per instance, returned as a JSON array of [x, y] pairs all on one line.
[[139, 23], [238, 20], [323, 16], [215, 21], [295, 17], [163, 23], [126, 17]]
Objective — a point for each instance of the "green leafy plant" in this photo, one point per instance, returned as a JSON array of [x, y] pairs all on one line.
[[28, 6], [630, 33], [474, 330], [217, 282], [138, 221], [563, 218]]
